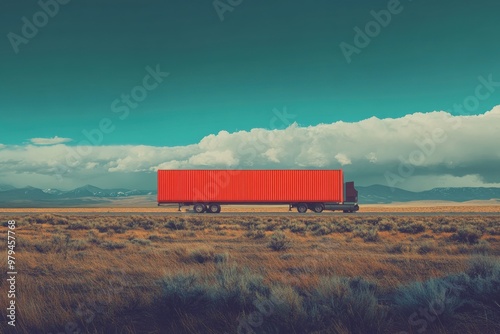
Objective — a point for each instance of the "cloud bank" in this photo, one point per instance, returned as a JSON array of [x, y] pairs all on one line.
[[49, 141], [418, 151]]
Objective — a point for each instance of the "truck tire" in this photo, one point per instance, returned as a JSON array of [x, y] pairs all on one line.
[[302, 208], [318, 207], [213, 208], [199, 208]]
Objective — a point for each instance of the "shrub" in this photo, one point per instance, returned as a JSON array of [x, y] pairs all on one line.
[[78, 245], [386, 225], [147, 224], [483, 247], [111, 245], [322, 230], [271, 226], [395, 249], [493, 230], [159, 238], [297, 228], [474, 291], [412, 228], [425, 248], [51, 219], [314, 226], [61, 243], [198, 255], [250, 223], [188, 234], [197, 222], [467, 235], [57, 244], [342, 227], [255, 234], [332, 305], [483, 266], [114, 228], [102, 228], [229, 289], [92, 237], [447, 228], [43, 247], [140, 242], [118, 229], [182, 292], [176, 225], [370, 235], [155, 238], [434, 294], [279, 242], [349, 303], [78, 226]]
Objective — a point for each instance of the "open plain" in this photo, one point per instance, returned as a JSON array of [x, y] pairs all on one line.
[[284, 273]]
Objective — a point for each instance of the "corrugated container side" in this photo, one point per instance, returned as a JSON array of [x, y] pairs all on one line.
[[252, 186]]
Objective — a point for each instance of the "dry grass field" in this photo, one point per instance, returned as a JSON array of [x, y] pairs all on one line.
[[209, 274]]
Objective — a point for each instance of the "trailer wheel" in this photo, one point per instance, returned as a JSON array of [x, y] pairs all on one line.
[[199, 208], [301, 208], [318, 207], [214, 208]]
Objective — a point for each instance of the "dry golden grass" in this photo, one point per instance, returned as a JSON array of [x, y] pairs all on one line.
[[103, 273]]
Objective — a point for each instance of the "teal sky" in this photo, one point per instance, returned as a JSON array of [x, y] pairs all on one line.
[[230, 75]]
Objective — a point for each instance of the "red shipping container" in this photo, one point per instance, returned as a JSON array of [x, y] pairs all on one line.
[[250, 186]]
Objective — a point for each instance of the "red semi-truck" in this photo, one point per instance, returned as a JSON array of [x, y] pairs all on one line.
[[207, 190]]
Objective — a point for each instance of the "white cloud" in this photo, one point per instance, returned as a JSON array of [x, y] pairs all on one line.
[[214, 159], [372, 157], [421, 146], [343, 159], [49, 141]]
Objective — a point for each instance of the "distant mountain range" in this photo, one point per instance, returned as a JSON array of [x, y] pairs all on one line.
[[93, 196], [86, 195], [383, 194]]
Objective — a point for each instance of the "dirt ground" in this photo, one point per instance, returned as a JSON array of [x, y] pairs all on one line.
[[422, 206]]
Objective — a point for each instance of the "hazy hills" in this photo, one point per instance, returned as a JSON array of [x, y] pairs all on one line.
[[82, 196], [383, 194], [91, 195]]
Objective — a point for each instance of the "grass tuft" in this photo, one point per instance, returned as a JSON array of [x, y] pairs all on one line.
[[279, 242]]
